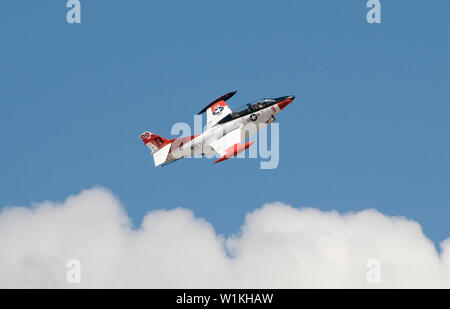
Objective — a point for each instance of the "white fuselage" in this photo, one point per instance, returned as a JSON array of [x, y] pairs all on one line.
[[251, 123]]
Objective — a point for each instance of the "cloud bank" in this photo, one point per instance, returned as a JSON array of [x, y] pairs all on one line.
[[278, 246]]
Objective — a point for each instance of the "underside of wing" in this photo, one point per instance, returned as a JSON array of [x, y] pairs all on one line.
[[230, 145], [228, 140]]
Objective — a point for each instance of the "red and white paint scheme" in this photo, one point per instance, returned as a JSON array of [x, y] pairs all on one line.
[[225, 134]]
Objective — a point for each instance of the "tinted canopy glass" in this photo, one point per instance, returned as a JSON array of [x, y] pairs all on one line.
[[254, 106], [248, 109]]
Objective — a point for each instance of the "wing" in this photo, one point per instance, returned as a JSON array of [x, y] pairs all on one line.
[[217, 109], [225, 142], [230, 145]]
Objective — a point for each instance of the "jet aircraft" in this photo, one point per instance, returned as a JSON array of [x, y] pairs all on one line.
[[225, 134]]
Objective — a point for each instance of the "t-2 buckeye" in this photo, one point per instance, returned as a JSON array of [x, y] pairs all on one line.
[[225, 134]]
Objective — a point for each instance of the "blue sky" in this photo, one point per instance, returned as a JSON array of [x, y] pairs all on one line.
[[369, 127]]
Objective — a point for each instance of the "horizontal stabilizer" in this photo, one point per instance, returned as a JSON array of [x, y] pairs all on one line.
[[161, 155]]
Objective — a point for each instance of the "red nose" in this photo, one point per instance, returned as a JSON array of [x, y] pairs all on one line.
[[285, 102]]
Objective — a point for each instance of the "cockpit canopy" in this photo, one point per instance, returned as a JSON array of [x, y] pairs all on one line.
[[254, 106], [248, 109]]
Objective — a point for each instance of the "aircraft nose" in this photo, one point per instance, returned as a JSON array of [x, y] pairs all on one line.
[[285, 101]]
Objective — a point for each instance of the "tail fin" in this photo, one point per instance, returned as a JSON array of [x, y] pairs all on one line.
[[153, 141], [159, 146]]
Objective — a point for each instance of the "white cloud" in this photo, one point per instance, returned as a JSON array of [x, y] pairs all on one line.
[[278, 247]]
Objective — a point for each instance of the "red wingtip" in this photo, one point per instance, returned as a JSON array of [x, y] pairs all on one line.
[[234, 151]]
